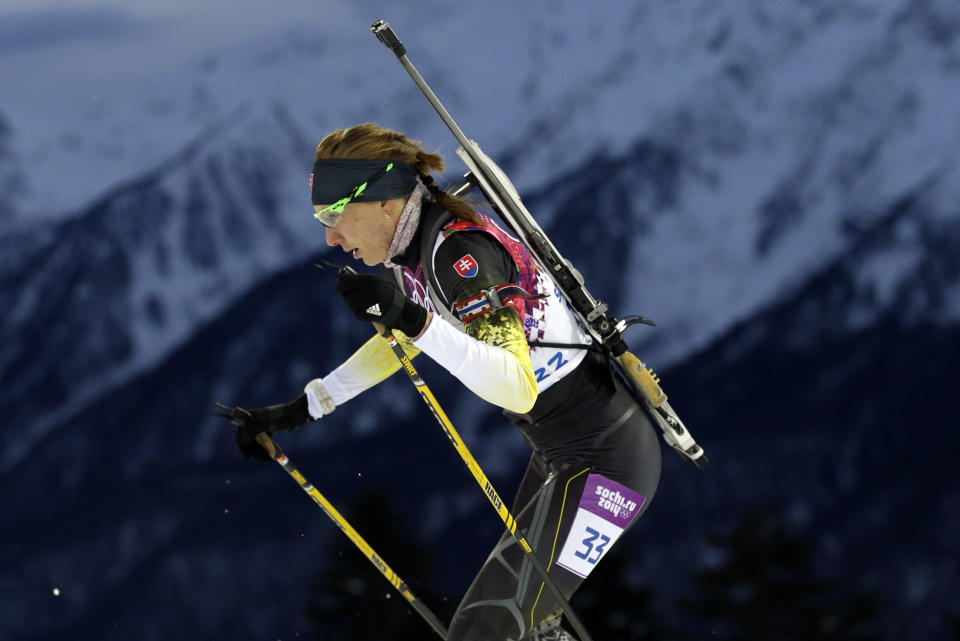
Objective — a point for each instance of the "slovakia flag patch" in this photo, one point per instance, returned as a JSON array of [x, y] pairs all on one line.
[[467, 266]]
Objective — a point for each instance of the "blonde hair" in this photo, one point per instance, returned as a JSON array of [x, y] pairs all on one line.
[[373, 142]]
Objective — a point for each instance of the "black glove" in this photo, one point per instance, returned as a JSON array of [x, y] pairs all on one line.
[[275, 418], [376, 300]]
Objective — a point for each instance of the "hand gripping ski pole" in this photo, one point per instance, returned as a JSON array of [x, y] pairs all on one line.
[[607, 331], [277, 455]]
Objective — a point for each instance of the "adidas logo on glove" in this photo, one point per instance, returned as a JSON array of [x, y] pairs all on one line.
[[374, 309]]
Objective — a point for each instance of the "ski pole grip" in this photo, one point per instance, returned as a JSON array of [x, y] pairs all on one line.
[[385, 34], [267, 443]]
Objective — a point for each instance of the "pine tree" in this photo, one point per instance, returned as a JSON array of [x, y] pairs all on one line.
[[765, 588], [353, 601]]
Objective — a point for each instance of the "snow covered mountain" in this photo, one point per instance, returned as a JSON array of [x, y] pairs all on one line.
[[797, 406], [740, 141], [11, 179], [100, 295], [763, 181]]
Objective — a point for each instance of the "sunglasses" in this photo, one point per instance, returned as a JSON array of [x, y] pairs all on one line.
[[330, 215]]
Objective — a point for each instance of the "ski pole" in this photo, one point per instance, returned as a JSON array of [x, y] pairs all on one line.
[[277, 455], [484, 482]]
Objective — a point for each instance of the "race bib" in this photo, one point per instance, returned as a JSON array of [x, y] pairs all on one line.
[[606, 509]]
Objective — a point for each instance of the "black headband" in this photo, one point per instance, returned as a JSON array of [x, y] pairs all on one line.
[[334, 178]]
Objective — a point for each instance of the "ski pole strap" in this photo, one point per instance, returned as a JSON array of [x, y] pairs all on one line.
[[490, 300]]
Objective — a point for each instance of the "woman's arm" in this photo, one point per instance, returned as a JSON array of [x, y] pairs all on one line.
[[369, 365], [492, 358]]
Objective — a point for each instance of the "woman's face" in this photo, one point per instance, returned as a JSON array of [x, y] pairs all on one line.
[[365, 230]]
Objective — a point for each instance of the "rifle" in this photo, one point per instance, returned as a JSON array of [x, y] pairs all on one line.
[[592, 313]]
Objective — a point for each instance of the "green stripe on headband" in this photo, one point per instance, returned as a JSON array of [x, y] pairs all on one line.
[[360, 180]]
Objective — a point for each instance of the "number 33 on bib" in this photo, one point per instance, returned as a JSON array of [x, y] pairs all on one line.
[[606, 509]]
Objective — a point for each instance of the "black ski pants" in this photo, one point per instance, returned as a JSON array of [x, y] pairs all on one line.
[[591, 426]]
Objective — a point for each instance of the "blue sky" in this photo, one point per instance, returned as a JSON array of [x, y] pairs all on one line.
[[26, 30], [27, 25], [51, 50]]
